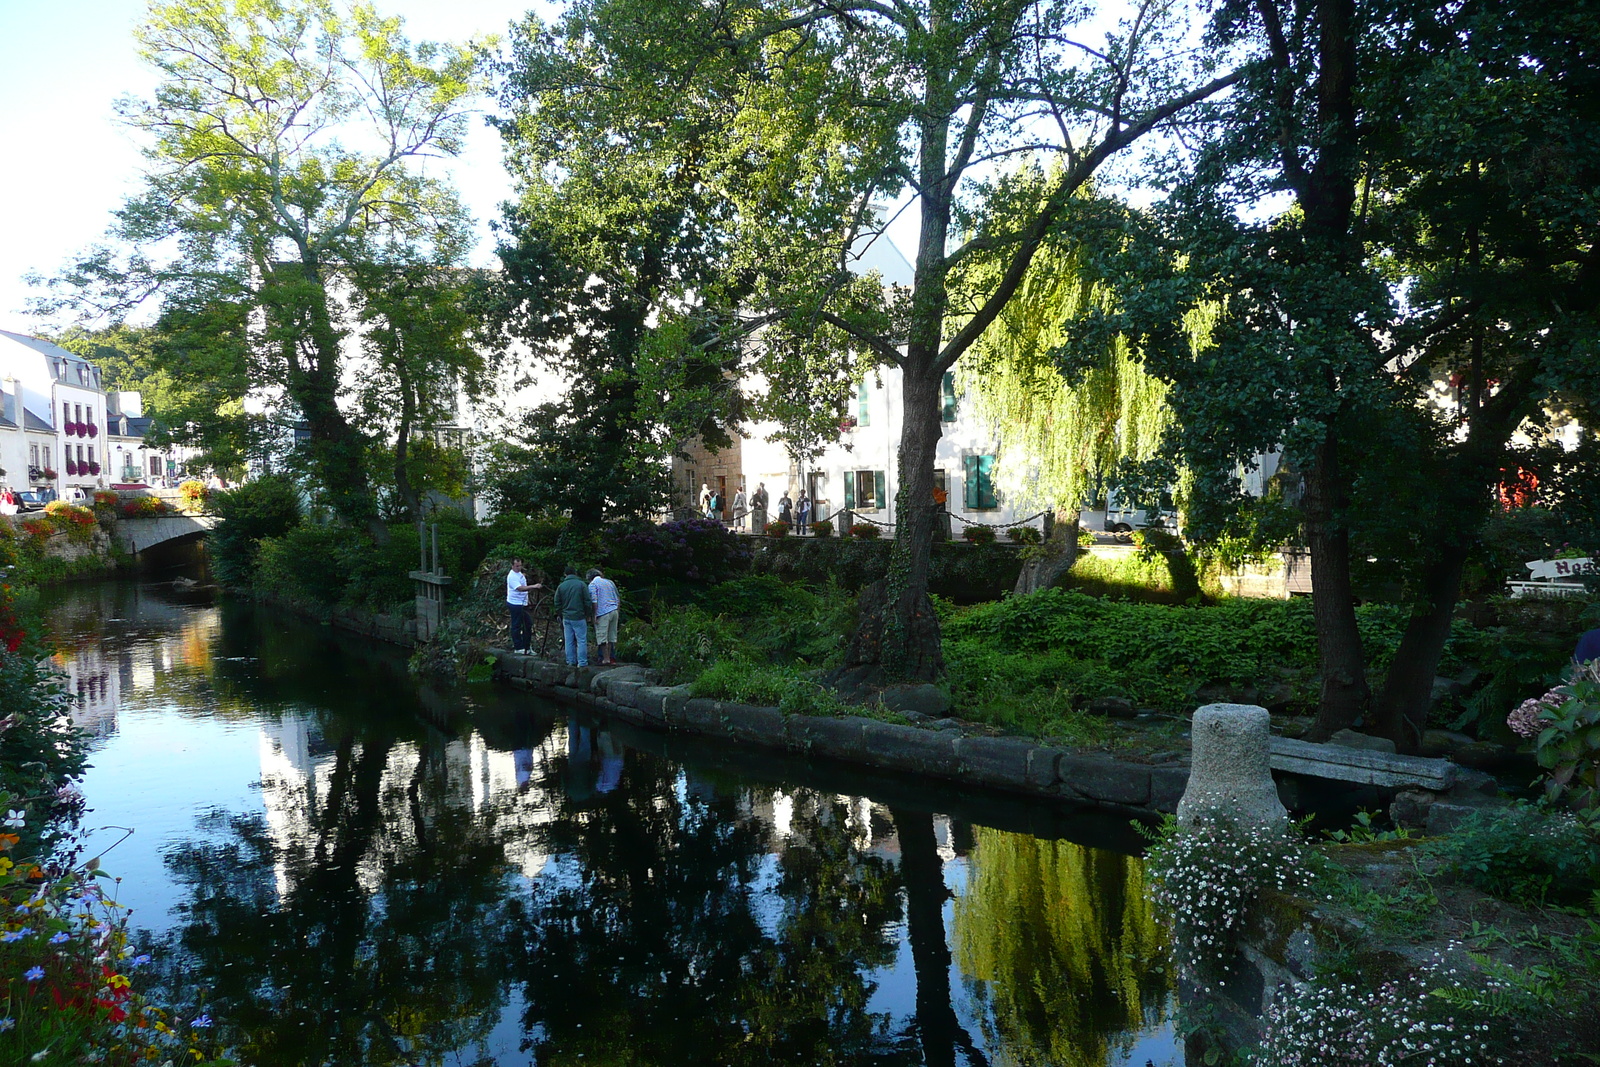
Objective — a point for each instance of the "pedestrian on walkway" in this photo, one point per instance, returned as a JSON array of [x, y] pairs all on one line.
[[607, 613], [573, 602], [741, 508], [802, 514], [517, 588], [786, 508]]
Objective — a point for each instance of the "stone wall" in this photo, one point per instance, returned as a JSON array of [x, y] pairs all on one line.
[[1012, 764]]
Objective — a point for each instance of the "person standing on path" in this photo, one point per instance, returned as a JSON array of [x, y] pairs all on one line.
[[785, 508], [802, 514], [517, 588], [573, 602], [741, 507], [607, 613], [705, 499]]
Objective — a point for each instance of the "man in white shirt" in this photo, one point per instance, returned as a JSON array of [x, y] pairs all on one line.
[[607, 613], [517, 601]]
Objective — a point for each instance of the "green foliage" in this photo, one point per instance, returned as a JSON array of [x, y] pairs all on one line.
[[1524, 854], [264, 507], [1568, 743], [682, 644], [323, 566], [822, 528], [789, 689], [978, 535], [1024, 535]]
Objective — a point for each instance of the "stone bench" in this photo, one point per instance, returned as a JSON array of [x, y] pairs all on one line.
[[1362, 766]]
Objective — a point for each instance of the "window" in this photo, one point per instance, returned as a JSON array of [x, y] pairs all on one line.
[[80, 455], [33, 455], [941, 487], [865, 490], [155, 466], [47, 455], [66, 414], [77, 412], [947, 398], [91, 453], [979, 477], [863, 407]]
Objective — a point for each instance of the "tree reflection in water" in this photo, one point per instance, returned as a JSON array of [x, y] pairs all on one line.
[[1062, 946], [432, 894], [683, 930]]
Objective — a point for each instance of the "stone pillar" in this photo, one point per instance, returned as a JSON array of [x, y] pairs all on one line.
[[1231, 770], [758, 520]]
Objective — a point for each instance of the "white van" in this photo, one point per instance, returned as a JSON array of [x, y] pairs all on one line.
[[1122, 518]]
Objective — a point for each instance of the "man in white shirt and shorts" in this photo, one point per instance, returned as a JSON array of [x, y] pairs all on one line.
[[517, 601], [607, 612]]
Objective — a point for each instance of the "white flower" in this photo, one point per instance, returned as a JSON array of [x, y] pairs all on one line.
[[15, 818]]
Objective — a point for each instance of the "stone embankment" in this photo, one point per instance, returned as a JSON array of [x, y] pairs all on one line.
[[1013, 764]]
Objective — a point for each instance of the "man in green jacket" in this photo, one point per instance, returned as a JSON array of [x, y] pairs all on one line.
[[572, 601]]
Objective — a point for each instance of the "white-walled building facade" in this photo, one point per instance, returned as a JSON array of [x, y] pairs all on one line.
[[860, 471], [60, 430]]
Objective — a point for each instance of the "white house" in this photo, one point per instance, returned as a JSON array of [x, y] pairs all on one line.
[[860, 471], [60, 430]]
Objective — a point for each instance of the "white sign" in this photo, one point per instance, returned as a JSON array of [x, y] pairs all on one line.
[[1561, 570]]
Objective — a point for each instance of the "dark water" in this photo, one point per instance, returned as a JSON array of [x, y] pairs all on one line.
[[353, 869]]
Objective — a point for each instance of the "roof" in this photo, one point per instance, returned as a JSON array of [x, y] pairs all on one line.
[[43, 347], [30, 421]]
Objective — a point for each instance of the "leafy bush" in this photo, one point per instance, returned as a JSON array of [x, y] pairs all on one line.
[[1085, 538], [70, 985], [267, 507], [1209, 878], [786, 688], [1024, 535], [777, 528], [1524, 854], [1565, 726], [105, 499], [978, 535], [194, 494], [1436, 1015], [684, 643], [865, 531], [822, 528], [145, 507], [697, 551]]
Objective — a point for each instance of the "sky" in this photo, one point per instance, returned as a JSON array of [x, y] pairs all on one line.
[[66, 164]]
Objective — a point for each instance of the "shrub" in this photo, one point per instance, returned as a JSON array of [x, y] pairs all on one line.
[[978, 535], [1085, 538], [194, 494], [71, 986], [865, 531], [1565, 726], [105, 499], [1433, 1016], [777, 528], [145, 507], [697, 551], [1208, 879], [682, 644], [268, 506], [1524, 854], [822, 528], [1024, 535]]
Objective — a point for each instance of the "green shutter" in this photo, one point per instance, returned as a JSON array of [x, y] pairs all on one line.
[[986, 482], [850, 489], [948, 396], [878, 483], [969, 479]]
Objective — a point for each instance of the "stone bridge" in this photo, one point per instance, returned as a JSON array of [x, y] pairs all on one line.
[[137, 535]]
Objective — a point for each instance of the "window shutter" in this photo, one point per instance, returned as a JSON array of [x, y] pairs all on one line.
[[948, 396], [986, 481], [969, 487], [850, 489], [878, 483], [863, 409]]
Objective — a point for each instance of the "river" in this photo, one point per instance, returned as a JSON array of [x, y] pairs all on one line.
[[346, 867]]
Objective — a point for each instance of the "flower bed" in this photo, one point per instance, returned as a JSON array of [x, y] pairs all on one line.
[[865, 531], [978, 535], [145, 507]]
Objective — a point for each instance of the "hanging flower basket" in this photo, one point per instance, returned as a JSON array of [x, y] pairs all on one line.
[[94, 431], [72, 468]]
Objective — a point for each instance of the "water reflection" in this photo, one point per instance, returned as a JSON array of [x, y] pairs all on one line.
[[399, 875]]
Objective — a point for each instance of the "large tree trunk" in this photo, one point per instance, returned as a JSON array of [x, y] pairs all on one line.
[[1345, 694], [1058, 553], [910, 645], [1401, 710]]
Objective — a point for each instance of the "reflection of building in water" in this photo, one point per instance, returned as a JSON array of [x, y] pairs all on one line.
[[299, 768], [94, 681]]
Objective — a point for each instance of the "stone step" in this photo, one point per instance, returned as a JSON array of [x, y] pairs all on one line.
[[1361, 765]]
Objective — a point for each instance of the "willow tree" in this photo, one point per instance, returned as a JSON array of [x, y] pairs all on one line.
[[1064, 947], [1071, 412], [284, 142]]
